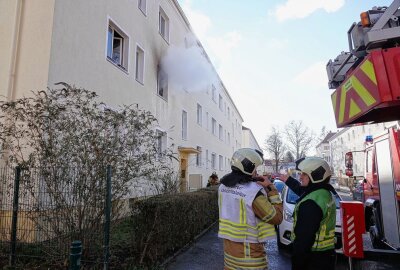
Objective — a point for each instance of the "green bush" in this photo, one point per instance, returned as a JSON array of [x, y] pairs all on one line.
[[162, 225]]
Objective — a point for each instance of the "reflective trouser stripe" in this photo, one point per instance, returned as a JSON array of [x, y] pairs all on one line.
[[232, 262], [246, 250]]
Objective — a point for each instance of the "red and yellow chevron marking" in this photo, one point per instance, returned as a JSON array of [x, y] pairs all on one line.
[[357, 94]]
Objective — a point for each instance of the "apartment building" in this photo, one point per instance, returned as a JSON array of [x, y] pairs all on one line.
[[117, 48], [323, 148], [353, 139]]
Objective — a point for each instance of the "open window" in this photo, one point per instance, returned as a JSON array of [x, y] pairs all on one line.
[[117, 46], [162, 84]]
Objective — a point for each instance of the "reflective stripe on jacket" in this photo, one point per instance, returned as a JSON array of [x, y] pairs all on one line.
[[325, 236], [237, 221]]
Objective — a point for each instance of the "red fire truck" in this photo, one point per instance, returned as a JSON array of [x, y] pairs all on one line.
[[367, 90]]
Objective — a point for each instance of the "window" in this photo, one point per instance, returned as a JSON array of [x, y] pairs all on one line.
[[221, 162], [139, 64], [229, 114], [161, 142], [163, 26], [326, 147], [220, 134], [213, 126], [199, 114], [162, 84], [213, 161], [207, 120], [198, 157], [184, 125], [229, 138], [214, 93], [206, 159], [220, 103], [117, 46], [142, 6]]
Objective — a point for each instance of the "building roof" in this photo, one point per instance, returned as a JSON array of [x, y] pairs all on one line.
[[327, 138]]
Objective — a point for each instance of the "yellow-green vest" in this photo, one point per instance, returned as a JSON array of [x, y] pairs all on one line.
[[325, 236]]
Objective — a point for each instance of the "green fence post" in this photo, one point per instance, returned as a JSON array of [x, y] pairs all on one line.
[[15, 216], [107, 213], [75, 255]]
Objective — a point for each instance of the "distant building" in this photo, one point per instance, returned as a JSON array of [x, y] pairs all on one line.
[[352, 139], [249, 141], [323, 148]]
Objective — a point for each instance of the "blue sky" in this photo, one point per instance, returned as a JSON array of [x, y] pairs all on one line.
[[271, 55]]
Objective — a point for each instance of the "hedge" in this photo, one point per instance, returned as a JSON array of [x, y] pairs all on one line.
[[160, 226]]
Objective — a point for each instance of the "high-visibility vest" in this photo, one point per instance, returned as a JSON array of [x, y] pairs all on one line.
[[237, 221], [325, 236]]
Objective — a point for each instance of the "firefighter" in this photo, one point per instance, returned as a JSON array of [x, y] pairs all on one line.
[[249, 207], [213, 180], [314, 216]]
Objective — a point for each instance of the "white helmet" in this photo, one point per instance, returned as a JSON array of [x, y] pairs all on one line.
[[316, 168], [246, 160]]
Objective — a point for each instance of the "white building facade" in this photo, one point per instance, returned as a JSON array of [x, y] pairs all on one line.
[[323, 149], [115, 48]]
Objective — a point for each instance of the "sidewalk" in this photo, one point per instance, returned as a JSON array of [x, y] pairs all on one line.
[[206, 253]]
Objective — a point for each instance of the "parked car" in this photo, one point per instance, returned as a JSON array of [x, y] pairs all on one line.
[[358, 191], [284, 230], [279, 184], [335, 183]]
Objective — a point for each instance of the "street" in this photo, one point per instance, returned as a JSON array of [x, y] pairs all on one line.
[[207, 253]]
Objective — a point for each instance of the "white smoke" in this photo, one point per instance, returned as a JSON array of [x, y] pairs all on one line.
[[188, 68]]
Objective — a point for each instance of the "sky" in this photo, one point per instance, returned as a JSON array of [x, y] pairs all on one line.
[[271, 55]]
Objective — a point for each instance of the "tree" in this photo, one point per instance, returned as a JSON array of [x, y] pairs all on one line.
[[64, 139], [289, 157], [275, 146], [299, 137], [322, 134]]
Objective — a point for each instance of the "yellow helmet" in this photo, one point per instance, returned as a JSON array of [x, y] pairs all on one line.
[[316, 168], [246, 160]]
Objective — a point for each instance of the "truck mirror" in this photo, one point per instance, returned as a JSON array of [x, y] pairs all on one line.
[[349, 160]]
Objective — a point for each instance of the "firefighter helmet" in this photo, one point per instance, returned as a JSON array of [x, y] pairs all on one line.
[[246, 160], [316, 168]]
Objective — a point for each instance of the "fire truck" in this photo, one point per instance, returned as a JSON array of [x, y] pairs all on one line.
[[367, 90]]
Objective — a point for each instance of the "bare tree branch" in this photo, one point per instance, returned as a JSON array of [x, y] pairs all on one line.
[[275, 146], [300, 138]]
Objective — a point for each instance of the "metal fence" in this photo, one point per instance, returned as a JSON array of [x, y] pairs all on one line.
[[43, 210]]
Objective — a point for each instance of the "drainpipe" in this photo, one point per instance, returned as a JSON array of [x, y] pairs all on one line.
[[14, 54]]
